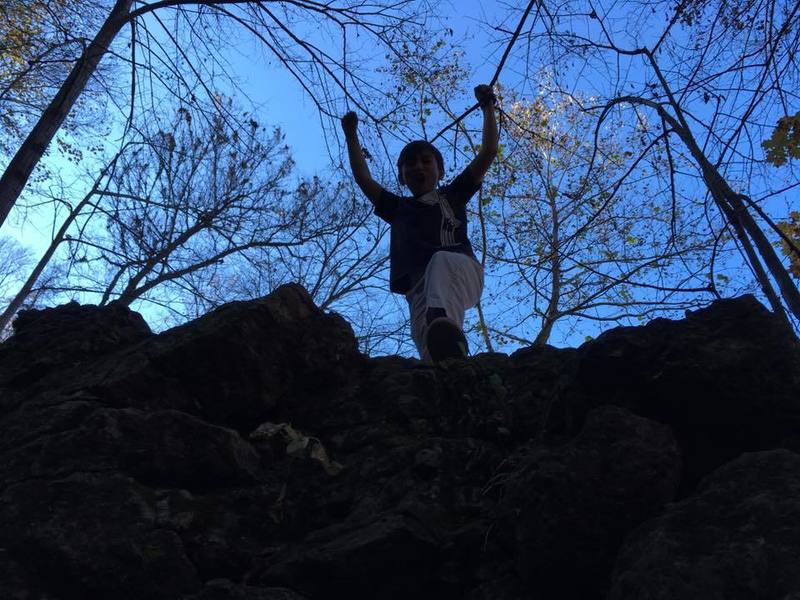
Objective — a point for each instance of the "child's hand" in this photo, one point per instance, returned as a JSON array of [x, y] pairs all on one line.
[[484, 95], [350, 123]]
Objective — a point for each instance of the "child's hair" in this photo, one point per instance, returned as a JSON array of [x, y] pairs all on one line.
[[414, 148]]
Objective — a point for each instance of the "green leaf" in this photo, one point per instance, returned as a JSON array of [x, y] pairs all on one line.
[[784, 144]]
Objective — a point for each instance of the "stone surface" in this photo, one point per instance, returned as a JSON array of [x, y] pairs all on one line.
[[570, 507], [55, 340], [737, 537], [223, 589], [127, 469], [725, 379], [391, 556]]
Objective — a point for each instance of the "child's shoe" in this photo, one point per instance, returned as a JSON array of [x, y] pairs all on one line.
[[444, 339]]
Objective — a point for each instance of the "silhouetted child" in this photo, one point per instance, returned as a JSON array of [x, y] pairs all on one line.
[[431, 258]]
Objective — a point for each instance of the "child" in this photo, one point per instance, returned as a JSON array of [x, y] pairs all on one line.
[[431, 258]]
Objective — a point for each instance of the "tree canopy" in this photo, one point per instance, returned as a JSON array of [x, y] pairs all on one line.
[[648, 155]]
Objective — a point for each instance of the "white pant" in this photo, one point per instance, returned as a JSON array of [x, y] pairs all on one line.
[[452, 281]]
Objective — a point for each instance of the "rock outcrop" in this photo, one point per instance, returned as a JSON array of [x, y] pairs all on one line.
[[254, 454]]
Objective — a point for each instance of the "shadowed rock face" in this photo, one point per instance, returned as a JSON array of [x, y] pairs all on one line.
[[735, 537], [724, 378], [653, 462]]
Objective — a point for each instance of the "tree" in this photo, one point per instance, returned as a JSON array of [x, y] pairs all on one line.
[[14, 259], [39, 39], [706, 77], [783, 146], [556, 261], [271, 25], [33, 286], [193, 215], [345, 270], [189, 198]]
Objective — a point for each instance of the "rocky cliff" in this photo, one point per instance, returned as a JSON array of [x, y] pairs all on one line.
[[254, 454]]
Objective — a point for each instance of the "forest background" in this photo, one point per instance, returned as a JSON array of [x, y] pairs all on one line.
[[175, 155]]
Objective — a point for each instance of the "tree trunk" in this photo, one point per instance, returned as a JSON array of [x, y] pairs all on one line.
[[752, 257], [789, 292], [25, 291], [734, 209], [30, 152], [744, 224], [551, 314], [484, 329], [484, 247]]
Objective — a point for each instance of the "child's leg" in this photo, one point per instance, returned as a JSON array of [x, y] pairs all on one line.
[[452, 283], [416, 310]]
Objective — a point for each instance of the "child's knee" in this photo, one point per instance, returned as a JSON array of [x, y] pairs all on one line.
[[437, 261], [434, 312]]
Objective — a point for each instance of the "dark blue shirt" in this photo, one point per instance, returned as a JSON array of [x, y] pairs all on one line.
[[424, 225]]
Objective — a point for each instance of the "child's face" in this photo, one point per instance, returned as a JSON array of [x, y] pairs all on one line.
[[421, 172]]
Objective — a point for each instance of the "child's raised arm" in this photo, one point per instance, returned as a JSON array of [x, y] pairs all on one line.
[[483, 160], [358, 164]]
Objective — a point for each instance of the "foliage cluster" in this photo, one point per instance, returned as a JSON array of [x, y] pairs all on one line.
[[791, 228], [784, 143], [39, 42]]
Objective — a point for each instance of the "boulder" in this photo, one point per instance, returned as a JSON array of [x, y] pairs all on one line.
[[736, 537], [571, 506], [725, 379]]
